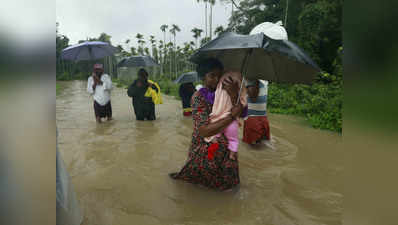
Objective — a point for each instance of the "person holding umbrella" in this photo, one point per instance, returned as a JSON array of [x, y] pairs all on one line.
[[208, 164], [256, 126], [99, 85], [186, 91], [145, 94]]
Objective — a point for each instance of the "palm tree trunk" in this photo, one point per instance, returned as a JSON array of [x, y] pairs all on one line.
[[206, 18], [232, 9], [287, 8], [211, 20], [164, 51], [175, 58]]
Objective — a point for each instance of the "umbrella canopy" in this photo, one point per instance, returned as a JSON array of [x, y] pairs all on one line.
[[273, 30], [189, 77], [88, 50], [260, 57], [137, 61]]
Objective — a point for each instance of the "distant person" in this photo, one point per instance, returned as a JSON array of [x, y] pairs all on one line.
[[99, 85], [145, 94], [222, 108], [186, 91], [256, 126]]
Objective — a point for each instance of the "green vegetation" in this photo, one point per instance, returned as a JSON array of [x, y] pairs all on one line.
[[59, 88]]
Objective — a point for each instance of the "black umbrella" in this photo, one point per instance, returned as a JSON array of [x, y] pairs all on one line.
[[189, 77], [137, 61], [260, 57]]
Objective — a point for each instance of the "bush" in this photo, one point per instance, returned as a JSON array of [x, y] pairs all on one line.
[[167, 86], [65, 76], [320, 103]]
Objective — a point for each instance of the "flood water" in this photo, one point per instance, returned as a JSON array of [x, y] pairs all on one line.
[[119, 169]]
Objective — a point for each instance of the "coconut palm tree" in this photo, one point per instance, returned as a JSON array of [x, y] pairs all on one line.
[[146, 51], [163, 29], [169, 47], [196, 34], [133, 51], [127, 43], [219, 30], [204, 41], [173, 31], [153, 43], [141, 43], [205, 1], [160, 52], [212, 3]]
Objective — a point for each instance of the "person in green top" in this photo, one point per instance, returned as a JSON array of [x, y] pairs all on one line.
[[144, 107]]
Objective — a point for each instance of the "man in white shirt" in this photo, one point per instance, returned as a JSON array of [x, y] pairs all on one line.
[[99, 85]]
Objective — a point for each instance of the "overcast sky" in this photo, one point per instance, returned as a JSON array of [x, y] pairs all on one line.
[[123, 19]]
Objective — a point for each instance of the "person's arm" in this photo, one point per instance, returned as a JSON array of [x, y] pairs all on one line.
[[153, 86], [90, 83], [180, 91], [107, 83]]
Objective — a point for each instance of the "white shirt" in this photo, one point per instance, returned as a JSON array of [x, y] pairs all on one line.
[[102, 93]]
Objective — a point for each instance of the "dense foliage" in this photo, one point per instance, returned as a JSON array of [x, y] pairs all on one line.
[[315, 25]]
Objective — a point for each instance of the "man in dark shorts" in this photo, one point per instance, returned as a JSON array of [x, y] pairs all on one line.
[[99, 85]]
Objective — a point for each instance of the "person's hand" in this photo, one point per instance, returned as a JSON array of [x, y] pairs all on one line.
[[97, 80], [95, 77], [237, 110], [232, 88], [233, 155]]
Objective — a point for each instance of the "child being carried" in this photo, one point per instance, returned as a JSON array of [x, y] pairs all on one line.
[[222, 108]]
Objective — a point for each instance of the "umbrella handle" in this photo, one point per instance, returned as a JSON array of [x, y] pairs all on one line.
[[240, 90], [244, 67]]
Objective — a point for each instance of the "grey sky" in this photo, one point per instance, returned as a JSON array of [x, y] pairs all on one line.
[[123, 19]]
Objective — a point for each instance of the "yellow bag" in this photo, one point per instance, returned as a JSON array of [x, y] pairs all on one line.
[[155, 95]]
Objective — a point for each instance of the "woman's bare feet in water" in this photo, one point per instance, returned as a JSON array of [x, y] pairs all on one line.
[[233, 155]]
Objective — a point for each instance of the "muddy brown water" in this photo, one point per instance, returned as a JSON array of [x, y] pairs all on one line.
[[119, 169]]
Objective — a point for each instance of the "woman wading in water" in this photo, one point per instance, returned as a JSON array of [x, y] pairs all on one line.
[[209, 164]]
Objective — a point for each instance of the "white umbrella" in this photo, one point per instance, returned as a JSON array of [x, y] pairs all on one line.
[[273, 30]]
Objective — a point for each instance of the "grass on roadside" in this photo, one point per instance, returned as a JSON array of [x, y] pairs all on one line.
[[60, 88]]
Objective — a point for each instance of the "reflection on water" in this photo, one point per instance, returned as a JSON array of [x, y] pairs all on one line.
[[119, 169]]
